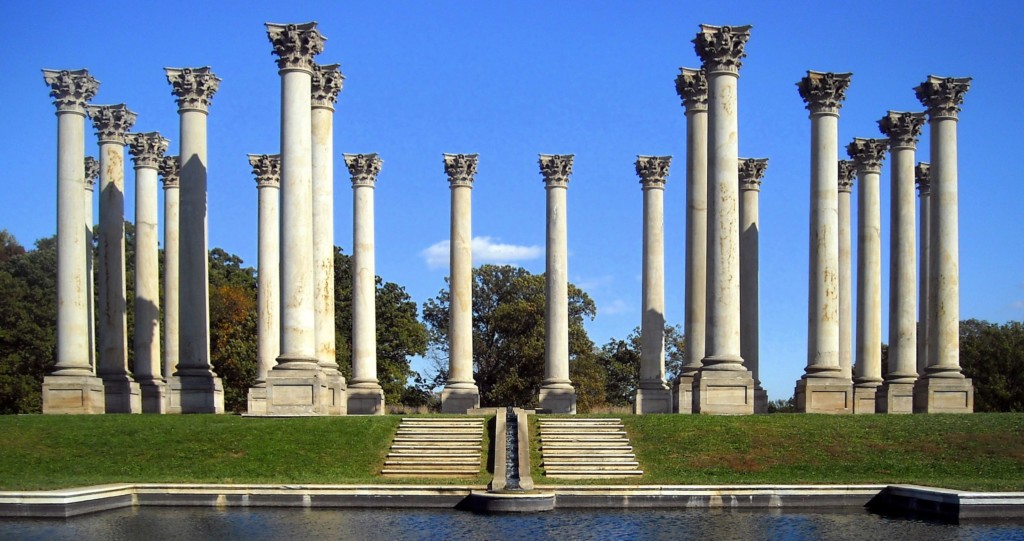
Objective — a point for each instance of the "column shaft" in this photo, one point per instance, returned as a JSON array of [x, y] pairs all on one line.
[[172, 219], [696, 237], [653, 394], [845, 287], [268, 299], [113, 322], [460, 328], [147, 276], [823, 287], [749, 282], [556, 289], [364, 331], [869, 280], [923, 261], [323, 235], [944, 291], [92, 171], [902, 270], [72, 303]]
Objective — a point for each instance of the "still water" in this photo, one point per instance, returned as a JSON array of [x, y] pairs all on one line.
[[158, 523]]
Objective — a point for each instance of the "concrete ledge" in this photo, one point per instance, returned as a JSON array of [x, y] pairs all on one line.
[[730, 496], [951, 504], [508, 502]]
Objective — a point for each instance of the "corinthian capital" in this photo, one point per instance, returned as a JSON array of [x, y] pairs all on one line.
[[942, 96], [847, 172], [751, 171], [824, 92], [147, 149], [295, 44], [902, 129], [363, 168], [556, 169], [867, 154], [112, 122], [326, 85], [71, 89], [92, 172], [168, 169], [721, 47], [460, 168], [653, 170], [267, 169], [194, 87], [692, 87], [922, 176]]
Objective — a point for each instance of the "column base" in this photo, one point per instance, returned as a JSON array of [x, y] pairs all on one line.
[[154, 395], [864, 399], [653, 400], [943, 395], [723, 392], [682, 395], [557, 399], [895, 398], [296, 392], [824, 395], [460, 399], [256, 403], [122, 394], [368, 400], [195, 394], [74, 395], [760, 400], [334, 399]]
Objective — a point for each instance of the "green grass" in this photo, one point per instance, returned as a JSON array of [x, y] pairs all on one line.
[[967, 452]]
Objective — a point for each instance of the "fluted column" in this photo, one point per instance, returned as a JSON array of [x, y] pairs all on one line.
[[822, 389], [692, 87], [365, 395], [92, 174], [653, 394], [112, 123], [723, 385], [169, 166], [267, 170], [194, 387], [751, 171], [845, 188], [72, 386], [460, 391], [556, 391], [943, 387], [867, 155], [326, 83], [923, 259]]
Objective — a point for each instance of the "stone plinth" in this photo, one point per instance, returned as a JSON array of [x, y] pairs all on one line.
[[365, 400], [895, 398], [73, 395], [682, 394], [722, 392], [824, 395], [653, 400], [943, 395], [195, 394], [864, 399], [299, 392], [557, 400]]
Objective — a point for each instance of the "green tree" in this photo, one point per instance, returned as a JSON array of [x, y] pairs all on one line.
[[233, 329], [620, 360], [992, 355]]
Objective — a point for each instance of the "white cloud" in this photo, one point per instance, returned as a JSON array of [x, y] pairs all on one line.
[[617, 306], [485, 250], [1017, 305]]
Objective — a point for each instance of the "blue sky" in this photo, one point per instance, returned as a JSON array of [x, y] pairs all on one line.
[[511, 80]]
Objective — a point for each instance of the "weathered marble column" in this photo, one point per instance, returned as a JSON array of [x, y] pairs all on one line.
[[169, 172], [194, 387], [943, 389], [147, 151], [692, 87], [751, 171], [723, 385], [556, 391], [823, 389], [112, 123], [325, 85], [897, 393], [653, 394], [867, 157], [365, 395], [845, 187], [267, 170], [460, 391], [924, 252], [72, 386], [92, 174]]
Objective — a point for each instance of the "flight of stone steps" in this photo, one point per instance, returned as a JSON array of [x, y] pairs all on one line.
[[574, 448], [436, 447]]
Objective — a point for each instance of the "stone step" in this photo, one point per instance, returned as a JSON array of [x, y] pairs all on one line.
[[438, 437], [455, 445], [392, 472], [441, 466], [593, 465], [441, 429], [454, 453], [591, 474], [411, 426], [543, 424], [586, 445], [576, 457], [474, 421], [587, 429], [445, 461], [588, 437]]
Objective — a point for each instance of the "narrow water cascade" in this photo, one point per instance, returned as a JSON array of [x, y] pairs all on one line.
[[511, 450]]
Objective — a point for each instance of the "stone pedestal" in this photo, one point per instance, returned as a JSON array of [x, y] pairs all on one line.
[[864, 398], [760, 400], [154, 394], [195, 394], [73, 395], [365, 400], [943, 395], [653, 400], [557, 400], [824, 395], [895, 398], [723, 392], [682, 394], [256, 400], [297, 392], [459, 400], [653, 394], [123, 394]]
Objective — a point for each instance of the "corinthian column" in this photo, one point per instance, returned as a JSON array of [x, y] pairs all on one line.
[[72, 386], [822, 389], [653, 394], [92, 174], [147, 151], [195, 387], [460, 391], [943, 389], [723, 385], [924, 251], [556, 392], [112, 123], [325, 84], [867, 157], [365, 395], [751, 171], [692, 87], [845, 187], [169, 171], [267, 169]]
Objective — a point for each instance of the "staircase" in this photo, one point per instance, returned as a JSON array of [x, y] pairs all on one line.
[[574, 448], [436, 447]]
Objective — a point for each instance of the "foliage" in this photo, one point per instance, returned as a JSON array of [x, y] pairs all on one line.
[[782, 405], [233, 326], [992, 355], [620, 360]]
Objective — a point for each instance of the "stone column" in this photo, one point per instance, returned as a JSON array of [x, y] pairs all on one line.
[[169, 171], [751, 171], [822, 389], [924, 251], [460, 391], [653, 394], [72, 386], [943, 389], [692, 87], [112, 123], [92, 174], [897, 393], [326, 83], [365, 395], [267, 170], [867, 157], [723, 385], [147, 151], [556, 392], [195, 388], [845, 187]]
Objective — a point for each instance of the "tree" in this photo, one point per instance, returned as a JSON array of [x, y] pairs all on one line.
[[233, 326], [992, 355], [620, 360]]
